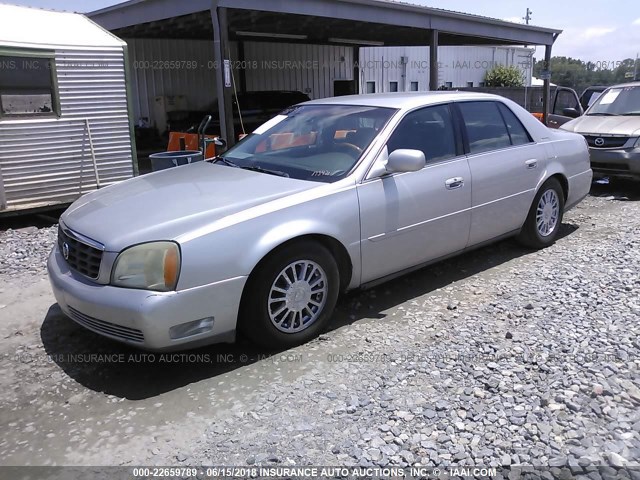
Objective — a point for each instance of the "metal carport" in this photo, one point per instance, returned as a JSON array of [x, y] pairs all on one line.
[[313, 21]]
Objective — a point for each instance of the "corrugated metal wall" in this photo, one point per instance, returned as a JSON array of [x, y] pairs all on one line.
[[185, 67], [47, 161], [458, 66], [171, 67], [311, 69]]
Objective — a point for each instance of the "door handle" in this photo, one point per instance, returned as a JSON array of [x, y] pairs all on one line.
[[531, 163], [453, 183]]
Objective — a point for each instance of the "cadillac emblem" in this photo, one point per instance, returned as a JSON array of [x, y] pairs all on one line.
[[65, 250], [599, 142]]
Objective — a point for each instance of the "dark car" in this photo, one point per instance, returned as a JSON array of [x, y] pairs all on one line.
[[250, 110]]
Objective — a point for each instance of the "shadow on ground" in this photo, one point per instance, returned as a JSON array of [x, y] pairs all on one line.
[[616, 189], [41, 219], [94, 361]]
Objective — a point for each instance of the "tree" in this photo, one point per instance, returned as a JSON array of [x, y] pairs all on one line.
[[626, 66], [576, 74], [502, 76]]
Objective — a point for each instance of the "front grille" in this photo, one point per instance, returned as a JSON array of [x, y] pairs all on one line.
[[80, 256], [107, 328], [606, 142]]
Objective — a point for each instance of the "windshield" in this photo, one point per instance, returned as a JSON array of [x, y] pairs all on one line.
[[617, 101], [311, 142]]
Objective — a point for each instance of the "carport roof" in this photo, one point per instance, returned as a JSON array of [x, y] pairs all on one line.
[[316, 21]]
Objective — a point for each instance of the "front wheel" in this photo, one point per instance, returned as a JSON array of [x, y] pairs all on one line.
[[290, 297], [543, 222]]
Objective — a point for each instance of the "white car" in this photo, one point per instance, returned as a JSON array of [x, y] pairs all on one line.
[[330, 195]]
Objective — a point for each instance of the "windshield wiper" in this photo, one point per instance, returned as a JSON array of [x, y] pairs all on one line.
[[217, 159], [630, 113], [255, 168], [603, 114]]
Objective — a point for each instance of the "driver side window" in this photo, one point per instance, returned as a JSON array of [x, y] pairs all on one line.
[[564, 99], [429, 130]]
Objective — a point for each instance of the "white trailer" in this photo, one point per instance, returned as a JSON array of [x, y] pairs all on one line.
[[405, 69], [65, 124]]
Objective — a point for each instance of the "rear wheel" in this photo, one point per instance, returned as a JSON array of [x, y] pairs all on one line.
[[545, 216], [290, 297]]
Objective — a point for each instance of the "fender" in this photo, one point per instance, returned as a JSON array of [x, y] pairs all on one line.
[[334, 214]]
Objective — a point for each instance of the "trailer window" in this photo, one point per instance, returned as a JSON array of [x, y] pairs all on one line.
[[26, 86]]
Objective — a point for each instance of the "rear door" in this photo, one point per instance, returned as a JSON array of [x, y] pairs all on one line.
[[506, 166]]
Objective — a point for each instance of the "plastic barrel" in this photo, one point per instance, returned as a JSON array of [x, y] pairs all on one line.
[[164, 160]]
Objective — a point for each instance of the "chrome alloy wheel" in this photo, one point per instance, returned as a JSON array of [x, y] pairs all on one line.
[[547, 213], [297, 296]]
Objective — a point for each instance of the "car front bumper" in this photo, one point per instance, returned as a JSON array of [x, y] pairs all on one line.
[[144, 318], [623, 162]]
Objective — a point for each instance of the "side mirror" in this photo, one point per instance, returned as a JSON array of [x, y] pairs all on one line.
[[220, 142], [570, 112], [405, 160]]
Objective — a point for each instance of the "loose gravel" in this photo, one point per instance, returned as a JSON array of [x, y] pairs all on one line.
[[25, 250], [535, 363], [503, 356]]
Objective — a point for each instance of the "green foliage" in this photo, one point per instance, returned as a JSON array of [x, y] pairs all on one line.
[[502, 76], [574, 73]]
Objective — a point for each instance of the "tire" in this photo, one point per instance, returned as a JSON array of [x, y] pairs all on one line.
[[543, 222], [274, 315]]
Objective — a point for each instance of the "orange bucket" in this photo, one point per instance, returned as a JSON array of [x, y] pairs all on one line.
[[190, 143]]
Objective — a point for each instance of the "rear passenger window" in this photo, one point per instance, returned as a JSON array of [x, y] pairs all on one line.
[[430, 130], [486, 129], [518, 134]]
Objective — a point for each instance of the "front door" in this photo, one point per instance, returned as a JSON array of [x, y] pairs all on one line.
[[414, 217]]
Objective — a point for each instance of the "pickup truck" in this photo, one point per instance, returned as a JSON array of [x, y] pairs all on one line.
[[564, 103]]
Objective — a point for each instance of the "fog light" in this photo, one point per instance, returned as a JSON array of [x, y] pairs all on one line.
[[191, 328]]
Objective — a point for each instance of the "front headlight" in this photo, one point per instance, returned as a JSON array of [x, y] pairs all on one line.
[[637, 144], [149, 266]]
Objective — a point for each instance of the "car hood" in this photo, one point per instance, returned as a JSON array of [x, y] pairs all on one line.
[[603, 125], [172, 202]]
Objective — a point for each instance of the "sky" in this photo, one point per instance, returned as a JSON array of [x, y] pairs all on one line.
[[604, 32]]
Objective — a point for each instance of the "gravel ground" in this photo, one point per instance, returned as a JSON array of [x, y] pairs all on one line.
[[502, 356], [535, 364], [25, 250]]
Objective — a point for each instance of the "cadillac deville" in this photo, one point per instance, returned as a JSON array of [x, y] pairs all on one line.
[[328, 196]]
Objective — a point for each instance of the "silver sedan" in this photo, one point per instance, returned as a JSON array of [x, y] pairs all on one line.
[[328, 196]]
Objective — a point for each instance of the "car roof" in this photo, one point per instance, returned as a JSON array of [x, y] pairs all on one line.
[[630, 84], [403, 100]]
